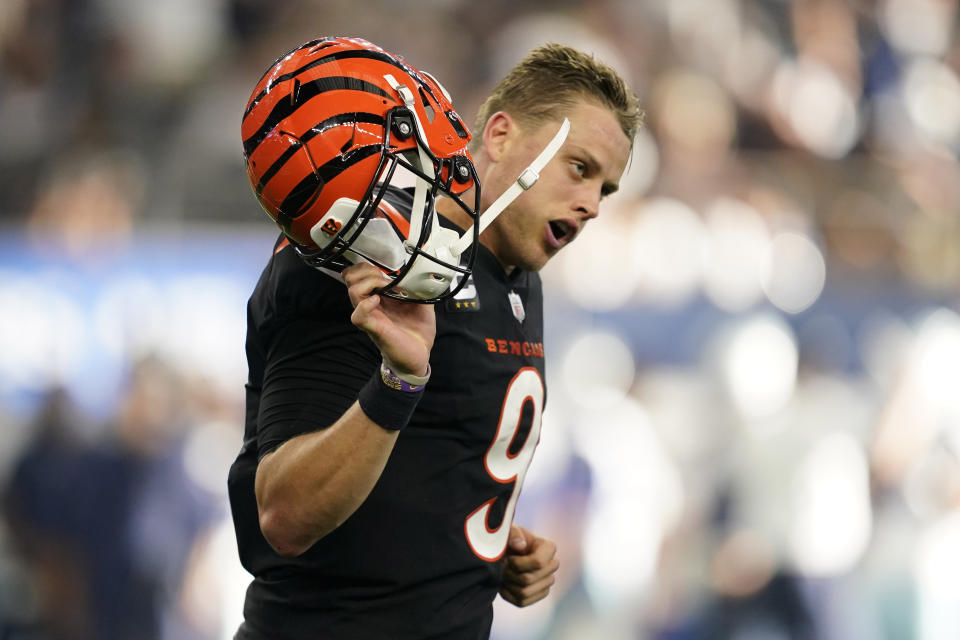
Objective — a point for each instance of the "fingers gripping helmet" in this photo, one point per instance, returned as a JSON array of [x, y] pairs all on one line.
[[324, 132]]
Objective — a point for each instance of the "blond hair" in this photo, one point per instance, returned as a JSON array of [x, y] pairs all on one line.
[[549, 81]]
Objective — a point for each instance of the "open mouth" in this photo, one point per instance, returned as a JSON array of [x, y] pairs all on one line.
[[559, 229]]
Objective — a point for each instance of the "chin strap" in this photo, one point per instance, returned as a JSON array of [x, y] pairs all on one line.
[[524, 181]]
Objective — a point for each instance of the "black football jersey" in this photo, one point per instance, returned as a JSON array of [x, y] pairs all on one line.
[[421, 557]]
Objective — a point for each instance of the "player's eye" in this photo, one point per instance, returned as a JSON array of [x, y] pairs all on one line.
[[579, 168]]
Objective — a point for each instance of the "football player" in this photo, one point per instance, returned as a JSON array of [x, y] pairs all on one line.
[[395, 338]]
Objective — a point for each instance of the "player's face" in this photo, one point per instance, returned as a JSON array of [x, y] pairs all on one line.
[[549, 216]]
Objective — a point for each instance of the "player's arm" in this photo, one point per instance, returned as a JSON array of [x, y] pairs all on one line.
[[312, 483]]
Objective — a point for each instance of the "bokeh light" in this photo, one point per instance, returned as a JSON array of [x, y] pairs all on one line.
[[918, 26], [638, 498], [665, 252], [42, 336], [931, 92], [832, 507], [735, 254], [937, 358], [598, 369], [694, 112], [796, 273], [936, 563], [597, 273], [759, 365], [818, 107]]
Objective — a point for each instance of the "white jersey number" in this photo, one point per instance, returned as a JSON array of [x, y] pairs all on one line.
[[504, 467]]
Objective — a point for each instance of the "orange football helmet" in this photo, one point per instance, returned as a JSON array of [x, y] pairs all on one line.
[[324, 132]]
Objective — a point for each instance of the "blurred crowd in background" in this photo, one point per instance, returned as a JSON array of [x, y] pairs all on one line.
[[752, 429]]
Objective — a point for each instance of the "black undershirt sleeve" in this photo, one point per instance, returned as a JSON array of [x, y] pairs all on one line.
[[314, 371]]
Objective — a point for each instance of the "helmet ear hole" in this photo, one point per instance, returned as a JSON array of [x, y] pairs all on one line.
[[427, 107]]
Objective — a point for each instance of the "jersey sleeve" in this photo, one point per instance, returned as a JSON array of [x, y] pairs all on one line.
[[314, 360], [313, 374]]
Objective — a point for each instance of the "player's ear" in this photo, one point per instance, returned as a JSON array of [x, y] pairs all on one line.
[[498, 134]]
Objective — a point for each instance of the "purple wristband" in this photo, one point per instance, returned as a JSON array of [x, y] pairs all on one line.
[[394, 381]]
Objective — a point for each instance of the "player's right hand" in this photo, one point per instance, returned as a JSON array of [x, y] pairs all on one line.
[[403, 331]]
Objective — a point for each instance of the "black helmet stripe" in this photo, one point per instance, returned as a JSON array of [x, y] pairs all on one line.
[[333, 57], [311, 185], [302, 94], [305, 45], [329, 123]]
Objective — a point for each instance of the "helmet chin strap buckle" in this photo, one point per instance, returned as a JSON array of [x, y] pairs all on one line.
[[528, 178]]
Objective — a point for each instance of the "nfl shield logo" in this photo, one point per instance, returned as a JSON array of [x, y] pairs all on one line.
[[516, 304]]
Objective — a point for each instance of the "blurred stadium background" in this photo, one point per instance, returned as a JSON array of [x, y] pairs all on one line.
[[753, 423]]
